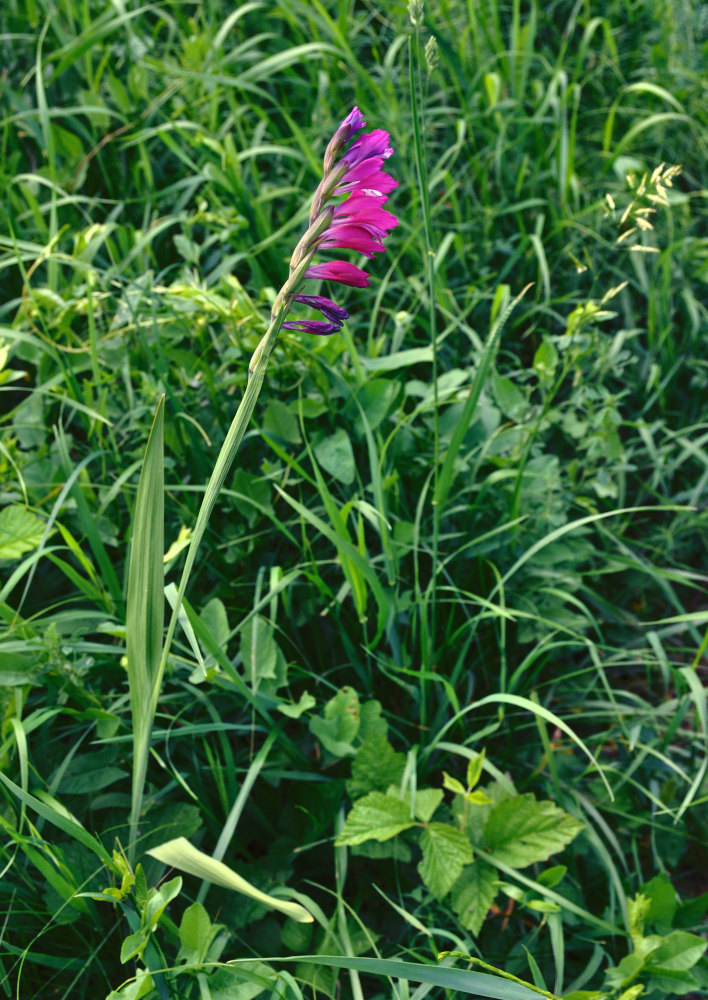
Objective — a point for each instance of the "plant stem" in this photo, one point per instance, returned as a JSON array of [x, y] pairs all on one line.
[[421, 169]]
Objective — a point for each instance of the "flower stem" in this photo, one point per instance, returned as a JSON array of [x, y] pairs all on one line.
[[224, 461]]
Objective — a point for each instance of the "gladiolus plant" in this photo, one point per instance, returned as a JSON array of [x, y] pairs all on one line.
[[347, 214]]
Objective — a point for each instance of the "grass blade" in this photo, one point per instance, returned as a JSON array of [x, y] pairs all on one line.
[[145, 606]]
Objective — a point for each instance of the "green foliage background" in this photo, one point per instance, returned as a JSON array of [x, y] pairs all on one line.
[[444, 534]]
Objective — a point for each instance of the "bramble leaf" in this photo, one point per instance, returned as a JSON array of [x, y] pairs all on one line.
[[375, 817], [375, 767], [521, 831], [473, 894], [446, 850]]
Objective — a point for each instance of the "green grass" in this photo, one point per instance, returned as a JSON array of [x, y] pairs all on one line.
[[472, 521]]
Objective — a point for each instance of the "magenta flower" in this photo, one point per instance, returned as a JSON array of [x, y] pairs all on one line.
[[359, 222], [341, 271]]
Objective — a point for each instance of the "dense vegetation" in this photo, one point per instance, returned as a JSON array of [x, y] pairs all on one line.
[[439, 679]]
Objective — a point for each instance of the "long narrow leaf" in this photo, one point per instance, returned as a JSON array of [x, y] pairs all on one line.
[[145, 606], [462, 980], [179, 853]]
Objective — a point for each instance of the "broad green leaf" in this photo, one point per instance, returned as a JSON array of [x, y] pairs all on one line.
[[375, 398], [259, 650], [662, 900], [20, 531], [160, 900], [692, 911], [551, 877], [371, 720], [510, 400], [134, 944], [173, 819], [397, 849], [336, 456], [473, 893], [180, 854], [215, 620], [426, 802], [446, 850], [375, 767], [279, 421], [673, 981], [545, 360], [679, 952], [254, 488], [340, 725], [520, 830], [294, 710], [375, 817], [196, 935], [626, 970]]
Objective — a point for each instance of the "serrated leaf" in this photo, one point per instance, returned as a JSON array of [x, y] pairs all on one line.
[[473, 894], [20, 531], [371, 720], [375, 767], [426, 802], [342, 718], [446, 851], [397, 849], [520, 830], [375, 817]]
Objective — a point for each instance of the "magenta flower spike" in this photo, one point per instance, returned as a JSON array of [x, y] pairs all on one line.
[[353, 169]]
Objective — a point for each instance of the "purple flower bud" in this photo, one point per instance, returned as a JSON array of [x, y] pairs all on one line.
[[326, 306], [317, 326]]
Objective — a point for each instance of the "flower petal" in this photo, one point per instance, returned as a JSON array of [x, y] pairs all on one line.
[[364, 210], [366, 177], [341, 271], [353, 237], [366, 146]]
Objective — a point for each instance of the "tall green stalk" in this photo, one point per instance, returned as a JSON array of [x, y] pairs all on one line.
[[418, 113], [145, 707]]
